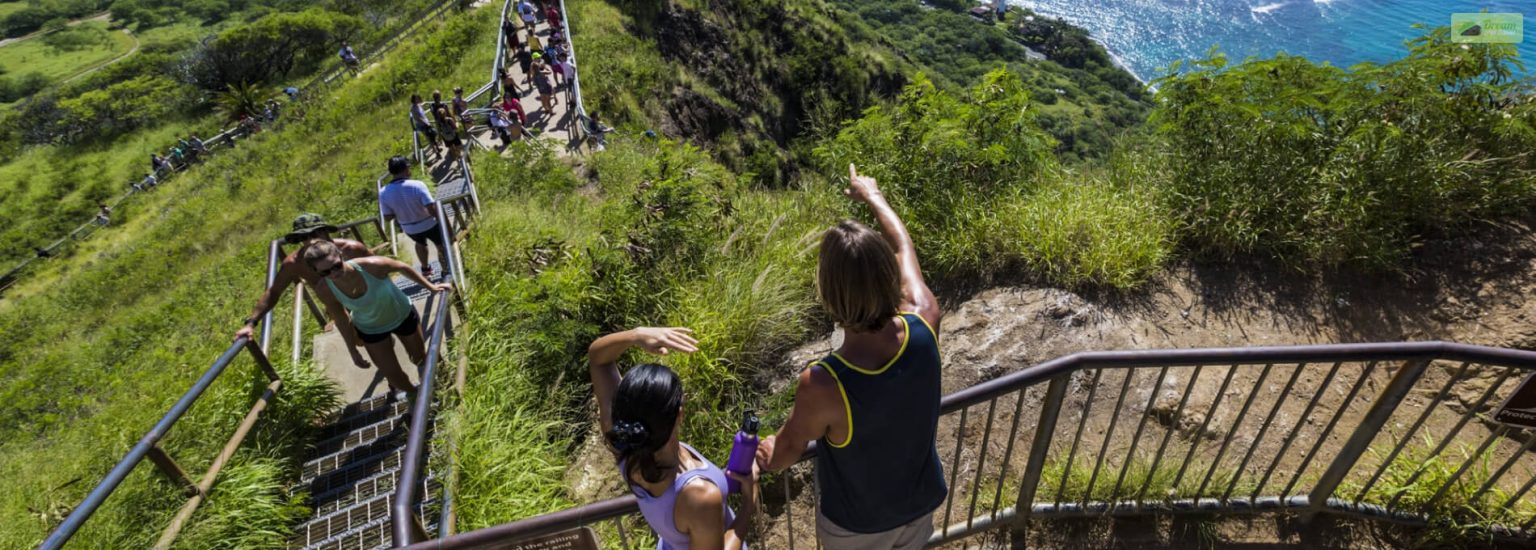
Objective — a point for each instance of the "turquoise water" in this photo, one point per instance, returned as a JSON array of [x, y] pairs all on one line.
[[1147, 35]]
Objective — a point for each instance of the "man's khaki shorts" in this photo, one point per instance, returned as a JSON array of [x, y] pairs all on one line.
[[911, 536]]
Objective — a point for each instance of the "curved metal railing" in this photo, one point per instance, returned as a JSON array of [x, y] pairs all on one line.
[[579, 118], [1336, 450]]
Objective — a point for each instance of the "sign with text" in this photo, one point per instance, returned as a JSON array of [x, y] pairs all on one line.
[[575, 539], [1520, 409], [1487, 28]]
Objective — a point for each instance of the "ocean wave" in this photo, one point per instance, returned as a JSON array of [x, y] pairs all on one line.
[[1267, 8]]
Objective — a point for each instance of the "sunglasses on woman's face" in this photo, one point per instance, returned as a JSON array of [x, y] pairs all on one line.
[[335, 267]]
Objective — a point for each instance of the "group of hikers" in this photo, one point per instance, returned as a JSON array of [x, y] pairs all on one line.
[[186, 151], [546, 66], [353, 283], [878, 486]]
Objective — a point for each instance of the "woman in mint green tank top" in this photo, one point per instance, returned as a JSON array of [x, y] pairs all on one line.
[[379, 310]]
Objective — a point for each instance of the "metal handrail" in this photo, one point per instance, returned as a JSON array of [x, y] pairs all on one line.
[[394, 246], [469, 180], [446, 256], [1056, 373], [580, 117], [148, 446], [406, 525]]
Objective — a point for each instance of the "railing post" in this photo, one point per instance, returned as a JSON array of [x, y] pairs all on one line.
[[260, 356], [1360, 440], [1045, 430], [314, 309], [298, 321], [171, 469], [274, 251]]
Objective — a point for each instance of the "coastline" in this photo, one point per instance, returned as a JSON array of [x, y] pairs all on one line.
[[1114, 58]]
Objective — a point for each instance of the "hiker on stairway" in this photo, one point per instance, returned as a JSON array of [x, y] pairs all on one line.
[[541, 80], [309, 229], [448, 127], [461, 107], [410, 203], [552, 17], [500, 125], [509, 35], [527, 11], [680, 492], [508, 83], [423, 124], [349, 57], [872, 405], [379, 311]]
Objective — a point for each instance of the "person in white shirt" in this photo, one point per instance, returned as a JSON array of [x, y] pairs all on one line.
[[528, 12], [410, 203]]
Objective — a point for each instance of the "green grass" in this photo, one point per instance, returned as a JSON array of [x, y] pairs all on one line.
[[33, 55], [95, 347], [1414, 479], [7, 8], [47, 191], [184, 30]]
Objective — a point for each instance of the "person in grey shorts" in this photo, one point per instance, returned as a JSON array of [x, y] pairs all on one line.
[[872, 405]]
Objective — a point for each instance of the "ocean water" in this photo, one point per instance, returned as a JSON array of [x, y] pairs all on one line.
[[1147, 35]]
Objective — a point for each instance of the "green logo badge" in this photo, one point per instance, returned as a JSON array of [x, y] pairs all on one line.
[[1487, 28]]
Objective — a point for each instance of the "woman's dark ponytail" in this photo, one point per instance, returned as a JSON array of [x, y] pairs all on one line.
[[644, 412]]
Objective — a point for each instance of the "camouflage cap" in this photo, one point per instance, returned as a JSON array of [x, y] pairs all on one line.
[[307, 224]]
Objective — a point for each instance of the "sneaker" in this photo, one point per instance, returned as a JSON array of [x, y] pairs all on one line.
[[426, 271]]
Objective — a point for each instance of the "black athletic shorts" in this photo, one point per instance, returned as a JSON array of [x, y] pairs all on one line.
[[406, 328], [435, 235]]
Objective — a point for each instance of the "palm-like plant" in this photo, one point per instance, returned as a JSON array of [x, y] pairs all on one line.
[[239, 100]]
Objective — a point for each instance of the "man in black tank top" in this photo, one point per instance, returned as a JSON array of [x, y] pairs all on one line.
[[873, 404]]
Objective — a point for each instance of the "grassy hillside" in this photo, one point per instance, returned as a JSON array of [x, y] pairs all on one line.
[[654, 231], [761, 104], [42, 55], [84, 139], [98, 346]]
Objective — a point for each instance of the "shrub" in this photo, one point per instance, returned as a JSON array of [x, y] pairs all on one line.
[[944, 160], [1319, 164]]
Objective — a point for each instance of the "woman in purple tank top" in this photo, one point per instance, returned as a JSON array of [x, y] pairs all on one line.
[[681, 493]]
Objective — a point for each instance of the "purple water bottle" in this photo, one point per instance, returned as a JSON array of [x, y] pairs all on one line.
[[744, 451]]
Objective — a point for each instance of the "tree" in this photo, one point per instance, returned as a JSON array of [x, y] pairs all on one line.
[[240, 100], [25, 20], [270, 48]]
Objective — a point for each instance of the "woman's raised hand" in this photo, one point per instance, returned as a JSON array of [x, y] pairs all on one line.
[[860, 188], [664, 340]]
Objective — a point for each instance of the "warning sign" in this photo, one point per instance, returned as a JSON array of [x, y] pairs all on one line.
[[575, 539], [1520, 409]]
